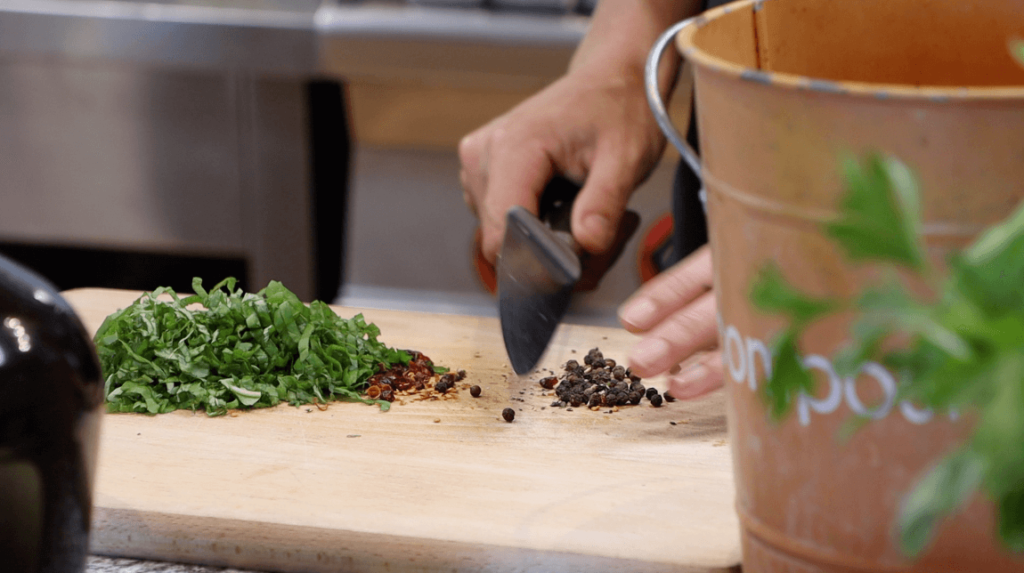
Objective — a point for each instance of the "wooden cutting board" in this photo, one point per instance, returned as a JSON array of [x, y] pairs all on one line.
[[441, 485]]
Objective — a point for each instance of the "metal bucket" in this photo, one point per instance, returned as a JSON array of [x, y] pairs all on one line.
[[783, 89]]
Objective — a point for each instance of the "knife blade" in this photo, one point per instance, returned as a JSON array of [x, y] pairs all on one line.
[[540, 266]]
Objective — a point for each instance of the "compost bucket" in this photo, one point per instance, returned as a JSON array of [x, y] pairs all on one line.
[[785, 88]]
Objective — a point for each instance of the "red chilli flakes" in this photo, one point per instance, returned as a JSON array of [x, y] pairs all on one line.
[[416, 378]]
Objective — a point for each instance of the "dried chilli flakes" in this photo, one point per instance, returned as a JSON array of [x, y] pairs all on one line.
[[417, 376]]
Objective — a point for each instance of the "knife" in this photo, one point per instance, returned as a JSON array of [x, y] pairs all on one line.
[[539, 268]]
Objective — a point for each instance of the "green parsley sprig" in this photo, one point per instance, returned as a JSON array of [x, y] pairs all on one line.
[[240, 350], [965, 349]]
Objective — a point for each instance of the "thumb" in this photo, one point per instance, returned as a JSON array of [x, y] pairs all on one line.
[[602, 201]]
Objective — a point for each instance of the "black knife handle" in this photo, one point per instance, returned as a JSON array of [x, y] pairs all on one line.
[[555, 211], [555, 208]]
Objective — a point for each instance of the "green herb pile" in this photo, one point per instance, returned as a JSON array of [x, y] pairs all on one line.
[[239, 350], [965, 350]]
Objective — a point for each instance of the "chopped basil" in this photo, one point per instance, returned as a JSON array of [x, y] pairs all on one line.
[[241, 350]]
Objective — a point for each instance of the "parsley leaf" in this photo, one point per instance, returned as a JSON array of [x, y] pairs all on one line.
[[990, 272], [946, 487], [881, 213], [239, 350], [789, 377], [772, 293]]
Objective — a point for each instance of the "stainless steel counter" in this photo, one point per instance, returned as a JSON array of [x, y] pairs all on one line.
[[292, 37]]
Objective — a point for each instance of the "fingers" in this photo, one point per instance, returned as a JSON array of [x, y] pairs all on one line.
[[668, 293], [676, 337], [472, 175], [700, 377], [516, 173], [602, 200]]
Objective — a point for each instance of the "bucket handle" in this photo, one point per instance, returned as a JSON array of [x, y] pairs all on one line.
[[658, 106]]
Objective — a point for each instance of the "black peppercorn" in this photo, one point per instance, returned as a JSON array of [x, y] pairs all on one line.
[[474, 391], [656, 400], [441, 386], [601, 382], [509, 414], [669, 397]]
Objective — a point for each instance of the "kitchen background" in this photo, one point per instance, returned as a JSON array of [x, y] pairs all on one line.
[[307, 141]]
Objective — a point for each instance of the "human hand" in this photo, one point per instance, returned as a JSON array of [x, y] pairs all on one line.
[[675, 312], [591, 126]]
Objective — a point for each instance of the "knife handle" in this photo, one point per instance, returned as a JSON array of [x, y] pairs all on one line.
[[555, 210]]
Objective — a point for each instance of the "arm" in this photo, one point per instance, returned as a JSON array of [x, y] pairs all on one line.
[[592, 126]]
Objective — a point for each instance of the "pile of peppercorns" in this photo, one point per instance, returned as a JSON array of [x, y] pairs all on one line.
[[600, 382]]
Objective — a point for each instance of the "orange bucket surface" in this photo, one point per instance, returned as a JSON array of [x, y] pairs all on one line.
[[785, 89]]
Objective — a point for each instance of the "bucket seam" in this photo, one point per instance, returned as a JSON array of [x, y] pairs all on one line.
[[782, 543], [820, 216], [757, 33]]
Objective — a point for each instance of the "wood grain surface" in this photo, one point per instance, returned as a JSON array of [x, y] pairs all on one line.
[[441, 485]]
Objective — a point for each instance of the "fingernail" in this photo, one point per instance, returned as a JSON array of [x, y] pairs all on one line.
[[648, 353], [638, 313]]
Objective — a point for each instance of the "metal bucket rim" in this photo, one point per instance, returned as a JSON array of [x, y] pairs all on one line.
[[685, 44]]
